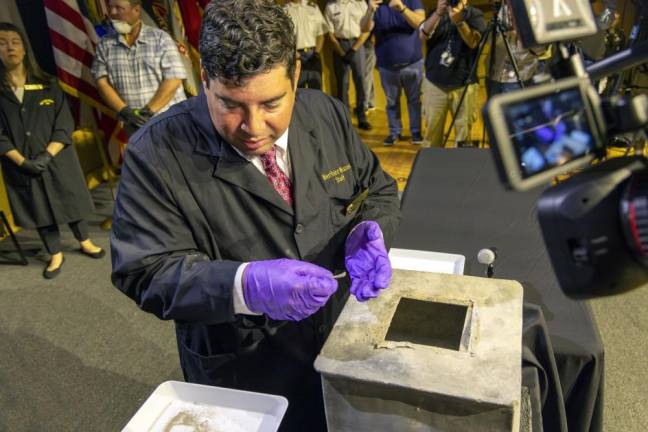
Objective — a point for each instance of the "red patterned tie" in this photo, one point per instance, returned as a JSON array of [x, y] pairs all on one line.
[[277, 177]]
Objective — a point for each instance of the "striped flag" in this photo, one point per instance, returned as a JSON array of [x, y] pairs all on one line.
[[73, 41], [169, 17], [191, 18]]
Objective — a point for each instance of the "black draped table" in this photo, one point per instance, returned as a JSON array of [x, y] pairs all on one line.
[[455, 203]]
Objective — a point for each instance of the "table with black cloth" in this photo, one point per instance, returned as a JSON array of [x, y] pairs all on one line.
[[455, 203]]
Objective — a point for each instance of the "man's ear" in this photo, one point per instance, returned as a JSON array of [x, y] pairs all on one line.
[[204, 78], [297, 72]]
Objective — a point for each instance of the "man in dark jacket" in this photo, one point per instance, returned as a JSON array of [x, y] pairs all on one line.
[[237, 207]]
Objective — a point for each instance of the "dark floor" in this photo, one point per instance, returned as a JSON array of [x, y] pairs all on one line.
[[77, 355]]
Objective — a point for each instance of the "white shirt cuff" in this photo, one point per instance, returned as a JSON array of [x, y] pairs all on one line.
[[426, 36], [239, 300]]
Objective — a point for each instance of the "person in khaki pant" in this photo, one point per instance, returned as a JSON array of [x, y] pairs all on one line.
[[452, 35], [437, 103]]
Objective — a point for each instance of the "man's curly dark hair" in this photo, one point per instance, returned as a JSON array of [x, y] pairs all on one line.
[[243, 38]]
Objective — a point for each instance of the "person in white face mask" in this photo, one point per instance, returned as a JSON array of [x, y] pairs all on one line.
[[138, 70]]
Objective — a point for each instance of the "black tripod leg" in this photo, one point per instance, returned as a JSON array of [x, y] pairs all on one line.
[[491, 62], [23, 258], [473, 69]]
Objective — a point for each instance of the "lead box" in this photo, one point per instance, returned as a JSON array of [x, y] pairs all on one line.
[[434, 352]]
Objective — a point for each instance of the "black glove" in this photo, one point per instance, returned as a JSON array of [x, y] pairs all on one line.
[[145, 113], [348, 56], [131, 117], [29, 167], [42, 160]]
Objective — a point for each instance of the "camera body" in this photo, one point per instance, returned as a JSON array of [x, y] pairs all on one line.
[[594, 224]]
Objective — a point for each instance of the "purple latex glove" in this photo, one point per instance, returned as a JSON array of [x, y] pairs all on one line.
[[367, 261], [286, 289]]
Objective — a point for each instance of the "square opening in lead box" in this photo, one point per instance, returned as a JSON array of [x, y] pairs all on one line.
[[430, 323]]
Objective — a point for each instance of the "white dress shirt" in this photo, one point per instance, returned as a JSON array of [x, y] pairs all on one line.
[[283, 160]]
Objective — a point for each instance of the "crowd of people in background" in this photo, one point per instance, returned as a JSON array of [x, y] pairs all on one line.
[[430, 56]]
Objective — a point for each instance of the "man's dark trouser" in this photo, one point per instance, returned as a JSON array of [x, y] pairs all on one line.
[[311, 70], [51, 236], [357, 67]]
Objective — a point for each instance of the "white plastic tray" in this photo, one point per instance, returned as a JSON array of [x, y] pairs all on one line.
[[417, 260], [257, 412]]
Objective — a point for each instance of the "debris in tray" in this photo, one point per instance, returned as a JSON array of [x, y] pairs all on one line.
[[182, 416]]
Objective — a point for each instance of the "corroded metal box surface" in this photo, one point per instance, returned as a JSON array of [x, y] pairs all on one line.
[[434, 352]]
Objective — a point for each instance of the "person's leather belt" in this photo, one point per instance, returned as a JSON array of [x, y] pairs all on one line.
[[401, 65]]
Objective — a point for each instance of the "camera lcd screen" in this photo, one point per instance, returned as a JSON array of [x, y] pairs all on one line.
[[549, 131]]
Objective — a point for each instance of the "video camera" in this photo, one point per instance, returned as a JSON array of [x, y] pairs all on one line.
[[595, 223]]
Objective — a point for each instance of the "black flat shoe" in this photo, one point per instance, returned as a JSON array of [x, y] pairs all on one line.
[[364, 125], [47, 274], [96, 255]]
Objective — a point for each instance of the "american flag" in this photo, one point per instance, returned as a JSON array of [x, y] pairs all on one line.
[[73, 41]]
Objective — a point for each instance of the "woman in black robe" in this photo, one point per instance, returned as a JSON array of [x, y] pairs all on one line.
[[42, 173]]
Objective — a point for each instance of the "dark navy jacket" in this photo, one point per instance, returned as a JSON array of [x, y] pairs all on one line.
[[190, 210]]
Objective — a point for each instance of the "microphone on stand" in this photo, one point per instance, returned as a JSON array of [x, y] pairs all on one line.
[[487, 256]]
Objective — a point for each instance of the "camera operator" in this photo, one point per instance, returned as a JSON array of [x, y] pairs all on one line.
[[452, 33], [399, 59], [501, 77]]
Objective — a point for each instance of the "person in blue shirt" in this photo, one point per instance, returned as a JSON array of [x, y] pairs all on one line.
[[399, 58]]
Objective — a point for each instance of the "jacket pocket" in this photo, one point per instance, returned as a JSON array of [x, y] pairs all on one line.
[[218, 369]]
